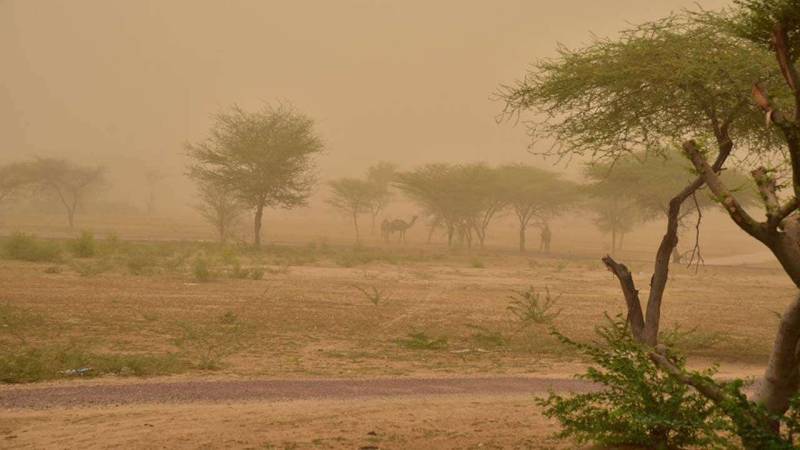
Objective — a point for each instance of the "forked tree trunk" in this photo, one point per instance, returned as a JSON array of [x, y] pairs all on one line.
[[651, 318], [522, 238]]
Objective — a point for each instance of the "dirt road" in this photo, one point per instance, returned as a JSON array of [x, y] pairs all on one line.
[[83, 395]]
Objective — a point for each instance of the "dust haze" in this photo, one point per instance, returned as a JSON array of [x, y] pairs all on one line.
[[399, 224]]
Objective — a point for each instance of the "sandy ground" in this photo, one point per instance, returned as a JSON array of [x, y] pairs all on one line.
[[416, 422]]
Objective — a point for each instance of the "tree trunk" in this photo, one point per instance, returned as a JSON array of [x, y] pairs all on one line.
[[257, 225], [782, 379], [355, 224], [522, 228], [71, 217]]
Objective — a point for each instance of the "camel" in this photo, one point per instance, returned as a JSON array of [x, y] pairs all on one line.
[[396, 226]]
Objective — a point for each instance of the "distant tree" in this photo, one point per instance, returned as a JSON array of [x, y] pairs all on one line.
[[533, 194], [354, 197], [265, 158], [219, 206], [638, 187], [461, 198], [381, 176], [481, 193], [66, 180]]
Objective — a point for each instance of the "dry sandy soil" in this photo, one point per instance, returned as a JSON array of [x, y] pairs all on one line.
[[307, 322]]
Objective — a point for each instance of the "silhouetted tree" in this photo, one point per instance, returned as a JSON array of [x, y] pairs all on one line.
[[381, 176], [219, 206], [265, 158], [354, 197], [68, 181], [533, 194]]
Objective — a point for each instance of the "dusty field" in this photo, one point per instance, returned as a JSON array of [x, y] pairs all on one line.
[[441, 315]]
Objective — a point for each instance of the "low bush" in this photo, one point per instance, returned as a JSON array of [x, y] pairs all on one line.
[[84, 246], [637, 404], [25, 247], [201, 270], [26, 364], [207, 343]]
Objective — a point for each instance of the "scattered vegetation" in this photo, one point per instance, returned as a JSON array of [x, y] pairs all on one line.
[[207, 343], [84, 246], [531, 307], [374, 294], [26, 247]]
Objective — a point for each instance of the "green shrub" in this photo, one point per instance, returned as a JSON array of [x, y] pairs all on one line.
[[25, 247], [208, 343], [84, 246], [141, 262], [201, 270], [26, 364], [532, 307], [638, 405]]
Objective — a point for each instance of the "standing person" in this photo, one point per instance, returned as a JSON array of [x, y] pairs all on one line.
[[546, 236]]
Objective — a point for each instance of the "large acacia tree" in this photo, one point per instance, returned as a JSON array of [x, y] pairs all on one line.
[[264, 157], [742, 71], [659, 83]]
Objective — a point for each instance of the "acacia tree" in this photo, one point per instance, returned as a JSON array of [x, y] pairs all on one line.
[[219, 206], [69, 182], [755, 53], [463, 198], [533, 195], [774, 26], [265, 158], [380, 176], [658, 83], [637, 188], [354, 197]]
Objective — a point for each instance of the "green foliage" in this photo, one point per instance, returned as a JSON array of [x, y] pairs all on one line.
[[657, 82], [532, 307], [141, 262], [265, 158], [421, 341], [25, 247], [27, 364], [637, 405], [201, 270], [208, 343], [84, 246]]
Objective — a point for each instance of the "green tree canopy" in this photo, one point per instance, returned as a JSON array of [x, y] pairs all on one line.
[[264, 157]]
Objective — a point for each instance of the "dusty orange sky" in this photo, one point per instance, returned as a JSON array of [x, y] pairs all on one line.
[[124, 83]]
